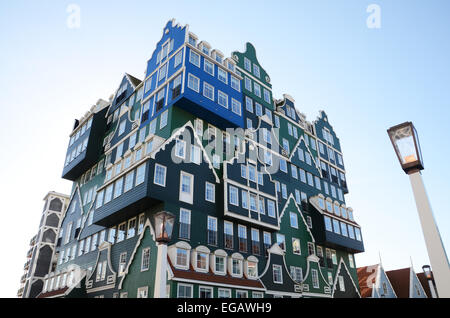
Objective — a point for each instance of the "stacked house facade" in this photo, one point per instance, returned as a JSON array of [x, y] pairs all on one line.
[[257, 191], [42, 246]]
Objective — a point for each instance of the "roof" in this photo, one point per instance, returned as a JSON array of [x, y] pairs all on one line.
[[191, 274], [426, 287], [399, 279], [135, 81], [364, 273], [53, 293]]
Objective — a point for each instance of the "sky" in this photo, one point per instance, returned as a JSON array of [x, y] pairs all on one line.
[[322, 53]]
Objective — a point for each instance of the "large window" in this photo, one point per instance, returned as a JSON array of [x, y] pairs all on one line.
[[242, 235], [194, 58], [212, 230], [145, 263], [186, 187], [194, 83], [210, 192], [234, 199], [185, 224], [228, 235], [277, 274], [184, 291], [255, 242], [208, 91], [296, 249], [209, 67], [281, 241], [160, 175]]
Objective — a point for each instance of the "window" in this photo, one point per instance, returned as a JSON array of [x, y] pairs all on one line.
[[194, 58], [277, 274], [209, 67], [358, 234], [241, 294], [194, 83], [294, 219], [249, 104], [294, 171], [68, 233], [334, 257], [182, 258], [255, 242], [201, 261], [315, 278], [180, 148], [208, 91], [142, 292], [210, 192], [121, 232], [131, 228], [205, 292], [162, 72], [160, 175], [296, 247], [178, 58], [284, 191], [219, 264], [281, 241], [256, 70], [185, 224], [242, 236], [310, 179], [163, 120], [128, 181], [186, 187], [122, 127], [270, 208], [247, 64], [311, 249], [184, 291], [236, 267], [118, 186], [234, 200], [252, 269], [351, 261], [344, 229], [317, 180], [235, 83], [228, 235], [257, 89], [222, 75], [140, 174], [341, 283], [212, 231], [224, 293], [259, 111], [222, 99], [236, 107], [248, 84], [122, 263]]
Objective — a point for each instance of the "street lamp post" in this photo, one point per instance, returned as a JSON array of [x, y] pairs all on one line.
[[163, 231], [406, 145], [430, 280]]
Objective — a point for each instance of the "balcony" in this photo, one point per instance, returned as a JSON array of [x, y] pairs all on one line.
[[23, 278], [26, 266], [30, 252]]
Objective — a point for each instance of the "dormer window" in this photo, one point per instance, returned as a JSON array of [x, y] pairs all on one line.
[[205, 50], [192, 40]]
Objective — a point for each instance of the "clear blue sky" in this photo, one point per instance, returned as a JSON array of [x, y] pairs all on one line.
[[320, 52]]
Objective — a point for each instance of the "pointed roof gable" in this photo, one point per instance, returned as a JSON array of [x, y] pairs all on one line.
[[367, 278]]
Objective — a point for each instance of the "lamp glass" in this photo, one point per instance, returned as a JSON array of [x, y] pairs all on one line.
[[404, 143]]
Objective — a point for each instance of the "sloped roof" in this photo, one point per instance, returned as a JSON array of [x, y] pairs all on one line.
[[191, 274], [423, 280], [363, 278], [135, 81], [399, 279]]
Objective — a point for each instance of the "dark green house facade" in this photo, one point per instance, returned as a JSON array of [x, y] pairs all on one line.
[[257, 191]]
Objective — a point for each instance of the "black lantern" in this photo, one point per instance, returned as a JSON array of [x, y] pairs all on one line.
[[406, 145], [163, 226], [427, 272]]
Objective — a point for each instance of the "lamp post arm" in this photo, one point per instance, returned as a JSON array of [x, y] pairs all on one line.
[[436, 251]]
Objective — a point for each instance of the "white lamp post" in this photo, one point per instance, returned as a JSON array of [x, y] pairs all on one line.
[[406, 145], [163, 230]]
